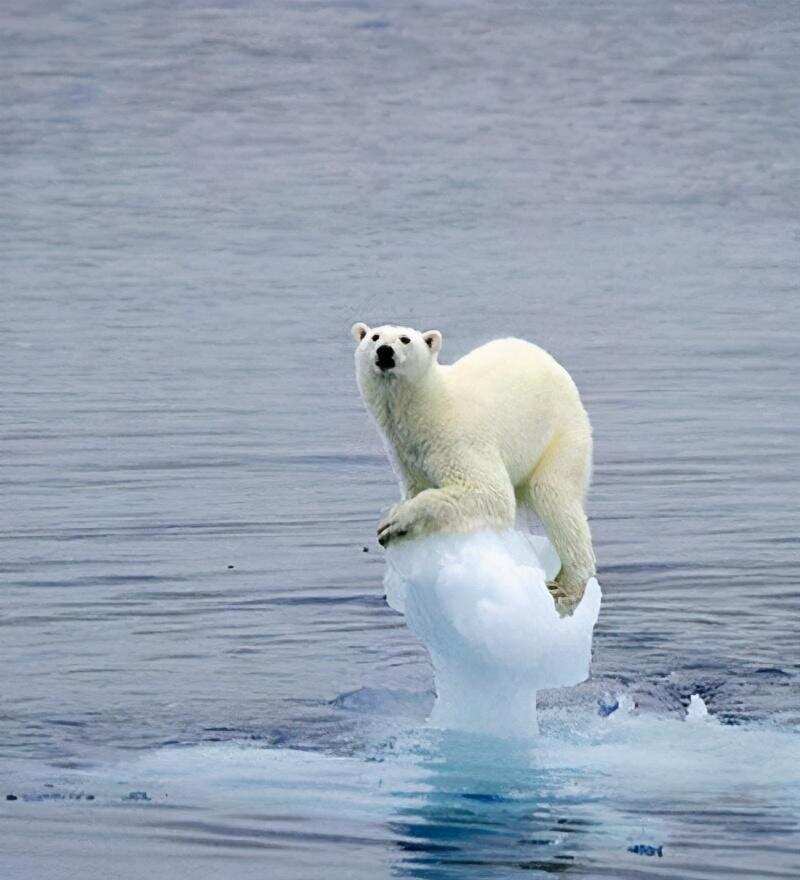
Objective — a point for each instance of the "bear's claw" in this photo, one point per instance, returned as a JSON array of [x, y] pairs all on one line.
[[390, 527], [388, 531]]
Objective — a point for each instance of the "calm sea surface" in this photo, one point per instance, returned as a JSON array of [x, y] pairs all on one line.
[[200, 677]]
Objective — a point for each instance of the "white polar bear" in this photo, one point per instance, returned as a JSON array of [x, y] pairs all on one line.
[[502, 425]]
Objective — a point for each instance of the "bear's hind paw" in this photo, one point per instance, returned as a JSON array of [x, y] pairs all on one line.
[[565, 602]]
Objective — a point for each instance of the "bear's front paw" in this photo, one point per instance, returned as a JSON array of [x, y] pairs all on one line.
[[394, 525]]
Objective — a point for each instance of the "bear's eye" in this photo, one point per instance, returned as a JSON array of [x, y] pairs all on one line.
[[405, 340], [376, 337]]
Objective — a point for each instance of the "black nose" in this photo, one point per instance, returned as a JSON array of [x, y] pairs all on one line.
[[385, 357]]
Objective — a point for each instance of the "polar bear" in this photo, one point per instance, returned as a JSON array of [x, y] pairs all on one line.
[[502, 426]]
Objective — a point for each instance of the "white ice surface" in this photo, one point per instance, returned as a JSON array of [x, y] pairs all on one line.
[[697, 710], [480, 605]]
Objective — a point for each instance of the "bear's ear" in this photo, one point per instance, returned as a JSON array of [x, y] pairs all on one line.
[[359, 331], [433, 339]]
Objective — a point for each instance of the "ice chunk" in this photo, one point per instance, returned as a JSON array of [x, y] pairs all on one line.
[[697, 710], [644, 849], [480, 605]]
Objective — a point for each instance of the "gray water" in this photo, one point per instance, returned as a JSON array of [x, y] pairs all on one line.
[[196, 201]]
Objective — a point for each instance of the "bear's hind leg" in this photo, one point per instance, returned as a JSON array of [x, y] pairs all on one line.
[[556, 492]]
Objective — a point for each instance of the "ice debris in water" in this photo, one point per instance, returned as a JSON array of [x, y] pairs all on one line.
[[644, 849], [607, 705], [480, 605], [697, 711]]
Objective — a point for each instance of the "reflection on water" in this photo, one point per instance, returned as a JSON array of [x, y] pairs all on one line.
[[486, 809], [585, 797]]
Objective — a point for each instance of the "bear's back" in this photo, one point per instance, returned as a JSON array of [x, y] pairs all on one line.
[[503, 358], [510, 373]]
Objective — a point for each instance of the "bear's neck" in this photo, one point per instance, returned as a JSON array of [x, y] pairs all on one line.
[[402, 408]]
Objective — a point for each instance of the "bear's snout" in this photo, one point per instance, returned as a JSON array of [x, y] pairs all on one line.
[[385, 357]]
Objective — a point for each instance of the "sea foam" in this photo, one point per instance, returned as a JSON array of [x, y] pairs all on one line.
[[480, 605]]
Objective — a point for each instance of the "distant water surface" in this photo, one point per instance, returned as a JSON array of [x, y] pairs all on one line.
[[196, 201]]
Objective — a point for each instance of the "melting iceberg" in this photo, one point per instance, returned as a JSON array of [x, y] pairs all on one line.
[[480, 605]]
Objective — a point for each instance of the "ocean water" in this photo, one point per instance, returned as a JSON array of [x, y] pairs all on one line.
[[201, 677]]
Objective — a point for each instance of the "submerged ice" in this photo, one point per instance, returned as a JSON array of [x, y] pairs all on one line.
[[480, 605]]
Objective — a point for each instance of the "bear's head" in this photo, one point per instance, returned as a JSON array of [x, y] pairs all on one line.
[[389, 352]]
